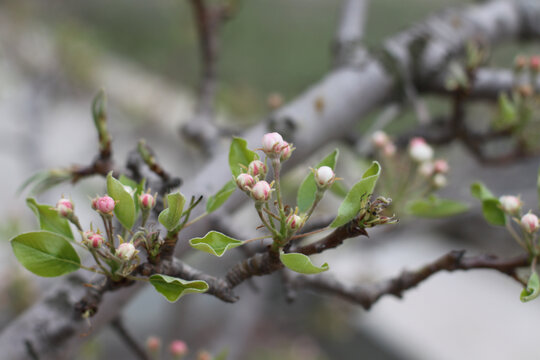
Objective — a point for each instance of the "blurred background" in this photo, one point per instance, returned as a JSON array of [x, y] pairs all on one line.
[[55, 55]]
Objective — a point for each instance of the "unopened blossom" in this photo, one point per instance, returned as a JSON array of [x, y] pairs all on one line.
[[520, 62], [380, 139], [426, 169], [64, 207], [104, 204], [272, 144], [389, 149], [324, 176], [535, 63], [286, 151], [95, 240], [441, 166], [529, 223], [245, 182], [510, 204], [147, 201], [153, 343], [261, 191], [294, 222], [439, 181], [419, 150], [126, 251], [257, 168], [178, 348]]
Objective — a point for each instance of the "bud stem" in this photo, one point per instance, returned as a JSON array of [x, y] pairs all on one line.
[[275, 233]]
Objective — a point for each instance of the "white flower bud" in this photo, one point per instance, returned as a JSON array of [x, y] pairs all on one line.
[[510, 204], [272, 144], [324, 177], [286, 151], [261, 191], [426, 169], [441, 166], [126, 251], [294, 222], [257, 168], [245, 182], [529, 223], [389, 150], [439, 181], [380, 139], [64, 207], [419, 150]]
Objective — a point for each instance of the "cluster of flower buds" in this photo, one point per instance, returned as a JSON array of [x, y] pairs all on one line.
[[104, 205], [372, 214], [382, 143], [521, 62], [434, 170], [275, 147]]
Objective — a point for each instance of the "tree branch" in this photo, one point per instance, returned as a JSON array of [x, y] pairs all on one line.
[[350, 32]]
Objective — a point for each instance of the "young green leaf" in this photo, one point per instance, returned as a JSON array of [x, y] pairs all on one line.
[[45, 253], [137, 187], [491, 208], [215, 243], [308, 188], [49, 219], [125, 206], [532, 290], [173, 288], [339, 189], [358, 196], [170, 216], [219, 198], [239, 154], [434, 207], [301, 263], [481, 192]]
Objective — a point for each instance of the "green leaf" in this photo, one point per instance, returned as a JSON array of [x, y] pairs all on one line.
[[308, 188], [173, 288], [215, 243], [339, 189], [138, 187], [125, 206], [301, 263], [170, 216], [532, 290], [219, 198], [358, 196], [491, 208], [222, 355], [481, 192], [49, 219], [239, 154], [508, 113], [434, 207], [45, 253]]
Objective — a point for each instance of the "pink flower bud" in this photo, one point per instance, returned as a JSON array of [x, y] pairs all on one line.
[[520, 62], [272, 144], [261, 191], [126, 251], [439, 181], [96, 240], [426, 169], [389, 150], [380, 139], [535, 63], [529, 223], [153, 343], [204, 355], [104, 204], [294, 222], [147, 201], [178, 348], [286, 151], [419, 150], [324, 177], [510, 204], [441, 166], [257, 168], [245, 182], [64, 207]]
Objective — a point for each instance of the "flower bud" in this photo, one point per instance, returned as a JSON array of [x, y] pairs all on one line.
[[419, 150], [64, 207], [439, 181], [204, 355], [104, 204], [245, 182], [380, 139], [510, 204], [286, 151], [520, 62], [324, 177], [178, 348], [272, 144], [257, 168], [95, 240], [426, 169], [389, 150], [261, 191], [153, 344], [126, 251], [529, 223], [525, 90], [147, 201], [441, 166], [294, 222], [535, 63]]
